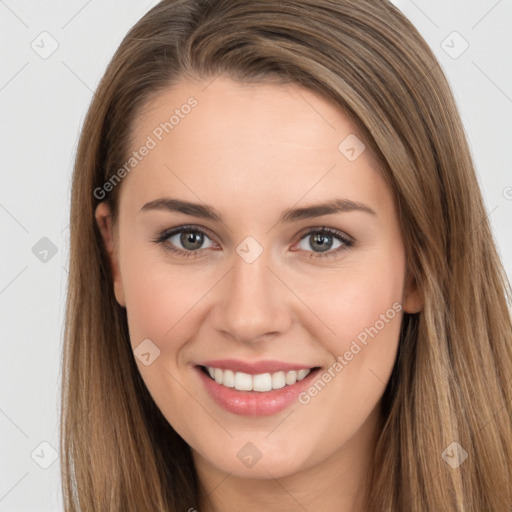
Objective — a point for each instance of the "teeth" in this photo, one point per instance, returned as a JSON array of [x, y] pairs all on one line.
[[228, 379], [278, 380], [291, 377], [243, 381], [301, 374], [260, 382]]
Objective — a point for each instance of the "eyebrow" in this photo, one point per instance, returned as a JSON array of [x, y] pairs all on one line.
[[287, 216]]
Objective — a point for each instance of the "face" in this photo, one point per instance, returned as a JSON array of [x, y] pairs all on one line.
[[227, 265]]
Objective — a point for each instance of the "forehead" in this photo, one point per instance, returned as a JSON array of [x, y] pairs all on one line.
[[250, 143], [255, 111]]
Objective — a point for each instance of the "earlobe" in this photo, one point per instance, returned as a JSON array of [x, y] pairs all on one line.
[[104, 221], [413, 303]]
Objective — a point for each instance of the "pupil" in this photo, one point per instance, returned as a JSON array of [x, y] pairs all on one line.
[[191, 240], [322, 241]]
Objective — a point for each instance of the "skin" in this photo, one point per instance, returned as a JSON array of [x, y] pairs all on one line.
[[252, 151]]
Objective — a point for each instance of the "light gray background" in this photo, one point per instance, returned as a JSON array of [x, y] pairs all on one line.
[[43, 102]]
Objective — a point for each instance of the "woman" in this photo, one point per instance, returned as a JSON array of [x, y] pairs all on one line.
[[284, 292]]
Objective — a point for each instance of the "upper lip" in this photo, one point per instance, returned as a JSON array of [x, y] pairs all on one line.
[[254, 367]]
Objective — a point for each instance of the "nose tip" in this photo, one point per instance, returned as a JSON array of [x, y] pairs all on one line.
[[251, 302]]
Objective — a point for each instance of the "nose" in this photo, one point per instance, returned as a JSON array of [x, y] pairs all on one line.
[[252, 303]]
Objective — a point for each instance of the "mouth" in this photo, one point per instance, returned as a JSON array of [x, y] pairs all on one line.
[[249, 393], [259, 382]]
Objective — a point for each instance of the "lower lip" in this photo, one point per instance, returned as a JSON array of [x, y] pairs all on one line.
[[254, 403]]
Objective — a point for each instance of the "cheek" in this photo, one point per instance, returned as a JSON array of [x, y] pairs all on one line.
[[158, 295], [362, 307], [160, 302], [351, 301]]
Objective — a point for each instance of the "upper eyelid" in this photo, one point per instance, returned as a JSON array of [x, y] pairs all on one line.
[[166, 233], [320, 229]]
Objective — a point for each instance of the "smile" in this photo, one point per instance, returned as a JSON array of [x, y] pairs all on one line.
[[261, 382], [254, 388]]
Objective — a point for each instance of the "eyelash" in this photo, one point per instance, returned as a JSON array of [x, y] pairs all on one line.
[[162, 239]]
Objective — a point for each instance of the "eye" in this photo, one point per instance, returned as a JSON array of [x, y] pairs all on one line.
[[190, 238], [322, 240], [188, 241]]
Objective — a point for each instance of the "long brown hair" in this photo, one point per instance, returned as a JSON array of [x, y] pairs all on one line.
[[451, 381]]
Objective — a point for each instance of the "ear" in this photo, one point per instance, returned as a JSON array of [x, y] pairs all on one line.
[[104, 220], [413, 303]]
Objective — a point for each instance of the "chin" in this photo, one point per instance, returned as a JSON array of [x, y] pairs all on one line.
[[256, 457]]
